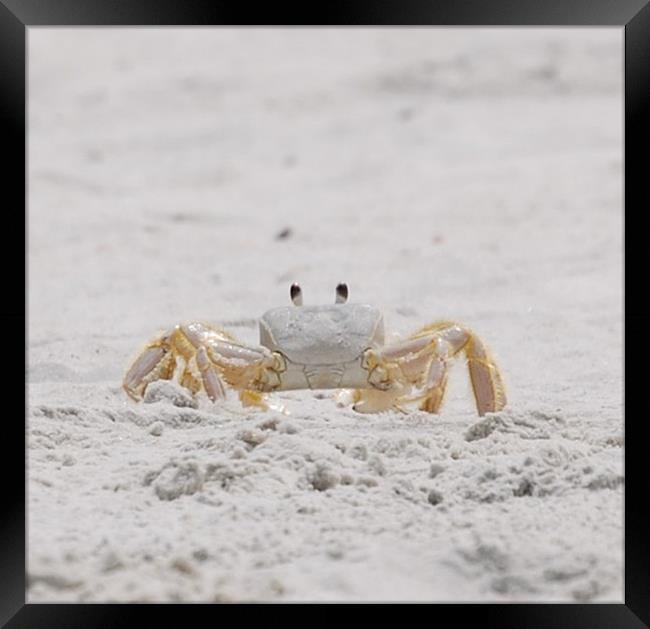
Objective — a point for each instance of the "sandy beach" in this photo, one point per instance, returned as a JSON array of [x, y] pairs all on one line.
[[180, 175]]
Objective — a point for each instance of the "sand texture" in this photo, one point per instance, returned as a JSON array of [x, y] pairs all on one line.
[[192, 175]]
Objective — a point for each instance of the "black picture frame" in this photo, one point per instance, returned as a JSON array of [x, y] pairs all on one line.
[[631, 15]]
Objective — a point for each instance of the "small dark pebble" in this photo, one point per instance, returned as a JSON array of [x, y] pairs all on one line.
[[434, 497], [284, 234]]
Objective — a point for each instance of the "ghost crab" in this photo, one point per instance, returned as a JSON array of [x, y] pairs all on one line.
[[338, 346]]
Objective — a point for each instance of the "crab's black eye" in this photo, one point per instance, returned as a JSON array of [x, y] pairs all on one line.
[[296, 294], [341, 293]]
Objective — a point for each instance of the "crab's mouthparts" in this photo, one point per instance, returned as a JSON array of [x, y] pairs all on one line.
[[324, 376]]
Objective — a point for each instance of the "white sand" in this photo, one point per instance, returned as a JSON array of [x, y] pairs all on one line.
[[464, 174]]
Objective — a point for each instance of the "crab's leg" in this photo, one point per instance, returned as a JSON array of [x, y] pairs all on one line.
[[211, 381], [447, 340], [423, 362], [251, 371], [405, 365], [487, 382], [156, 362], [159, 360], [210, 356], [436, 385]]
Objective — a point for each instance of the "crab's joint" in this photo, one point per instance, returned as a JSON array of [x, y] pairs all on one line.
[[211, 381], [268, 372], [379, 378], [279, 363], [381, 374], [267, 380], [368, 359]]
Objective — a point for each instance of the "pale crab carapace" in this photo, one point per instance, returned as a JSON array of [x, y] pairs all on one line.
[[336, 346]]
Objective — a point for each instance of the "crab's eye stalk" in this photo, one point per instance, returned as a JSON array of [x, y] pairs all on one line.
[[296, 294], [341, 293]]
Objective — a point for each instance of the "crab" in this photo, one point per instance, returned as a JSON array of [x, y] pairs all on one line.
[[336, 346]]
